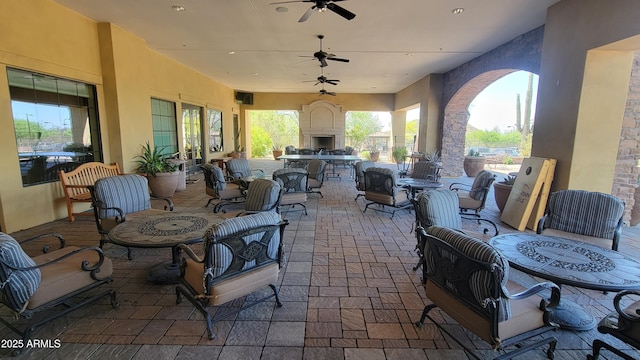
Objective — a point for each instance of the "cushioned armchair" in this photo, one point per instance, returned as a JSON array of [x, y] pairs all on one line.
[[475, 197], [360, 168], [217, 186], [469, 281], [381, 188], [441, 208], [51, 285], [583, 215], [239, 168], [623, 324], [116, 197], [262, 195], [426, 170], [241, 256], [293, 182], [316, 175]]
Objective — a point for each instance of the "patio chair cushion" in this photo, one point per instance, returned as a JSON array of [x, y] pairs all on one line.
[[481, 251], [262, 195], [19, 285], [64, 277], [585, 213], [130, 193], [480, 185], [439, 207]]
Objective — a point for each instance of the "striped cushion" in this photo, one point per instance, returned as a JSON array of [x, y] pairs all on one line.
[[17, 285], [238, 168], [584, 212], [218, 177], [480, 282], [424, 170], [222, 256], [361, 167], [130, 193], [262, 195], [316, 169], [439, 208], [481, 185]]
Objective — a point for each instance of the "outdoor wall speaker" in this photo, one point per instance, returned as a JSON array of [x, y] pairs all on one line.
[[244, 98]]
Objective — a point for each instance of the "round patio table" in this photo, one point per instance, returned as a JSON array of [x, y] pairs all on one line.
[[162, 231], [570, 262], [415, 185]]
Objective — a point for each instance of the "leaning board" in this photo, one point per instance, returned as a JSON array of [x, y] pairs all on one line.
[[541, 202], [525, 192]]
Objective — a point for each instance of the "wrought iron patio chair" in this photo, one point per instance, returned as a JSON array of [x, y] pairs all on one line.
[[381, 188], [241, 255], [474, 198], [468, 280], [584, 215], [219, 188]]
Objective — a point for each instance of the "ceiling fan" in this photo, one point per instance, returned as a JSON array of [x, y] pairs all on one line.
[[323, 56], [325, 92], [323, 80], [321, 6]]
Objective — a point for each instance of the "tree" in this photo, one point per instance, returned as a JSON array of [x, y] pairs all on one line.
[[273, 129], [524, 126], [360, 125]]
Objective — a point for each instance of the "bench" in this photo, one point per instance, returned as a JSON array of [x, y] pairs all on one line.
[[75, 182]]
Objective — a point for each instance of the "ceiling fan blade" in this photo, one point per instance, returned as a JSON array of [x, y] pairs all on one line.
[[332, 82], [331, 93], [308, 14], [289, 2], [341, 11], [337, 59]]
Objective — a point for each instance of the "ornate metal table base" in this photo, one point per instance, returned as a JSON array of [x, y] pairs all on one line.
[[570, 315]]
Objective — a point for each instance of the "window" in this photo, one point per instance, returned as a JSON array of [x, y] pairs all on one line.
[[165, 133], [215, 130], [55, 122]]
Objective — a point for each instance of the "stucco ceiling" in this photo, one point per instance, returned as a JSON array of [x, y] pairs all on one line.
[[390, 43]]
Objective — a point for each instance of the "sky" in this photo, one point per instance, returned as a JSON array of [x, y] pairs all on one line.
[[495, 106]]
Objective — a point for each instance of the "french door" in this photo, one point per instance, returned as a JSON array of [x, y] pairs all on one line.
[[192, 136]]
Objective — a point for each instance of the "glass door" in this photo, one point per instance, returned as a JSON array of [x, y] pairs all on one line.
[[192, 136]]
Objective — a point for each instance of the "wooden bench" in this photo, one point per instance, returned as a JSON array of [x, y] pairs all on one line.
[[74, 183]]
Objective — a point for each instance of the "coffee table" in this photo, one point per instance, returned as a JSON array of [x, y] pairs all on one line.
[[162, 231], [416, 185], [570, 262]]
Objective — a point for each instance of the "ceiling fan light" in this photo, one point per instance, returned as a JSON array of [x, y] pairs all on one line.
[[457, 11], [178, 8]]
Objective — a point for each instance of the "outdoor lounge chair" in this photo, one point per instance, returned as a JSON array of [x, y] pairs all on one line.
[[293, 182], [316, 170], [468, 280], [381, 188], [583, 215], [239, 168], [623, 324], [474, 198], [360, 168], [116, 197], [218, 187], [51, 285], [241, 255], [441, 208]]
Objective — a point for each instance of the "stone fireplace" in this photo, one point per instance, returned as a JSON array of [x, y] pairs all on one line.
[[322, 126]]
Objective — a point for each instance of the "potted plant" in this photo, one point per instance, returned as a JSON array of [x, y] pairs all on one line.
[[374, 153], [434, 157], [502, 189], [162, 175], [277, 151], [399, 154], [474, 163]]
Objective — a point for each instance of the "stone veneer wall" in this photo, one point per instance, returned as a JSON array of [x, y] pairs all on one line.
[[625, 181], [464, 83]]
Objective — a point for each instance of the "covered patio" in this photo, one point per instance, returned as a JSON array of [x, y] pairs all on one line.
[[348, 289]]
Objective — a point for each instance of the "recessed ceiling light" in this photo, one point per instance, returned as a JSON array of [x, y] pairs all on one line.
[[231, 53], [457, 11], [178, 8], [255, 74], [282, 9]]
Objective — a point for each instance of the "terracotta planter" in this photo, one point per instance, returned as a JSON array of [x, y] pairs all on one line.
[[501, 194], [235, 155], [276, 154], [163, 185], [374, 156], [473, 165]]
